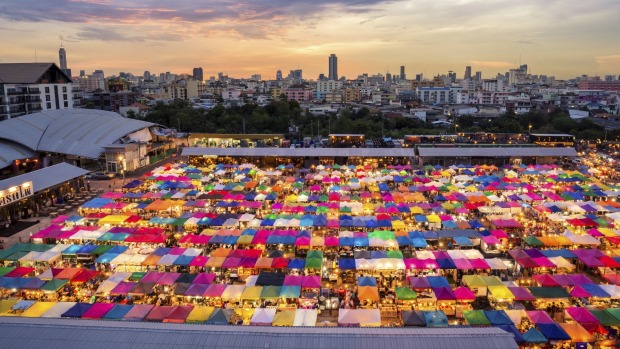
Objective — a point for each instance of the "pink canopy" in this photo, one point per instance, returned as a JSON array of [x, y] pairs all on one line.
[[214, 290], [168, 278], [123, 288], [97, 310], [444, 293], [293, 280], [462, 263], [539, 317], [332, 241], [419, 282], [479, 263], [464, 294], [311, 281], [231, 262], [582, 315], [199, 261], [152, 276], [579, 292], [521, 294], [204, 278], [545, 280], [543, 262]]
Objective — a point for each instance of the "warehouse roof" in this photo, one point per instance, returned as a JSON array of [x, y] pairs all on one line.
[[66, 334], [79, 132], [46, 177], [11, 151], [496, 152], [300, 152]]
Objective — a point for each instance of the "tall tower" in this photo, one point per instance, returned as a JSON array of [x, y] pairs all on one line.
[[333, 67], [62, 58], [197, 74], [402, 73]]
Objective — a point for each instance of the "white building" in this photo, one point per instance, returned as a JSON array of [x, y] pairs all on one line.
[[434, 95], [32, 87], [325, 86]]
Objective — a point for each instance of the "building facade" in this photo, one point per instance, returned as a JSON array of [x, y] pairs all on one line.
[[32, 87]]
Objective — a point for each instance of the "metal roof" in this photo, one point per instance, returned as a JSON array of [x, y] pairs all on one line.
[[46, 177], [496, 152], [300, 152], [79, 132], [26, 73], [67, 334], [10, 151]]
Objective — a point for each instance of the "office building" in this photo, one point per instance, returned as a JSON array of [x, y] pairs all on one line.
[[467, 72], [333, 67], [197, 74], [403, 76]]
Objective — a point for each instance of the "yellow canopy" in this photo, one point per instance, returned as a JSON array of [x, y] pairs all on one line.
[[284, 318], [37, 309], [474, 281], [576, 332], [501, 292], [251, 292], [492, 281], [113, 219], [433, 218], [200, 313], [7, 304], [398, 225]]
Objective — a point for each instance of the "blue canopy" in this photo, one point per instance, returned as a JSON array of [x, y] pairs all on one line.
[[463, 241], [438, 281], [534, 336], [435, 318], [77, 310], [553, 332], [346, 263], [498, 317], [297, 263], [367, 281], [595, 290], [118, 312]]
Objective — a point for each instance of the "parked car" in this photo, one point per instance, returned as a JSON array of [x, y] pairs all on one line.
[[100, 175]]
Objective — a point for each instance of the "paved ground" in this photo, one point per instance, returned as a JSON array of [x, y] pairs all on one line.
[[96, 185]]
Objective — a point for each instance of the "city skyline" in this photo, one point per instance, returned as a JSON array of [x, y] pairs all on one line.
[[560, 38]]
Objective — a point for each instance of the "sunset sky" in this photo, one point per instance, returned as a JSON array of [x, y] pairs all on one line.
[[564, 38]]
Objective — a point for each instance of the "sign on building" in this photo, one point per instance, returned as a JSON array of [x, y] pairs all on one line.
[[16, 193]]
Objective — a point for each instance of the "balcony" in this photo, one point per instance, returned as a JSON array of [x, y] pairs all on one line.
[[33, 99], [34, 91], [13, 92]]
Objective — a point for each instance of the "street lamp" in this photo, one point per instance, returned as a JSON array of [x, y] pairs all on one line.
[[121, 161], [529, 127], [455, 131]]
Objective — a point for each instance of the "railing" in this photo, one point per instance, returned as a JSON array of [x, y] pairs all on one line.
[[14, 92], [34, 91]]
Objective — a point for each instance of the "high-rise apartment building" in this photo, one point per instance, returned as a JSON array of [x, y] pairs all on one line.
[[468, 72], [279, 75], [478, 75], [197, 74], [403, 76], [333, 67], [32, 87]]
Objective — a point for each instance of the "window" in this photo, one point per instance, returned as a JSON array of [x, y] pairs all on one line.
[[47, 89], [64, 89], [64, 96], [49, 105], [66, 104], [47, 98]]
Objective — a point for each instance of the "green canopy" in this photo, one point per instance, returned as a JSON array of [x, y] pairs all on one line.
[[532, 241], [605, 317], [314, 263], [314, 254], [137, 275], [101, 249], [5, 270], [394, 254], [405, 294], [549, 292], [615, 312], [54, 285], [179, 222], [270, 292], [476, 317]]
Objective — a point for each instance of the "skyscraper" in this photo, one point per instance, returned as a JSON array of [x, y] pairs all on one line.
[[197, 74], [468, 72], [333, 67], [279, 75], [62, 58], [402, 73], [478, 76]]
